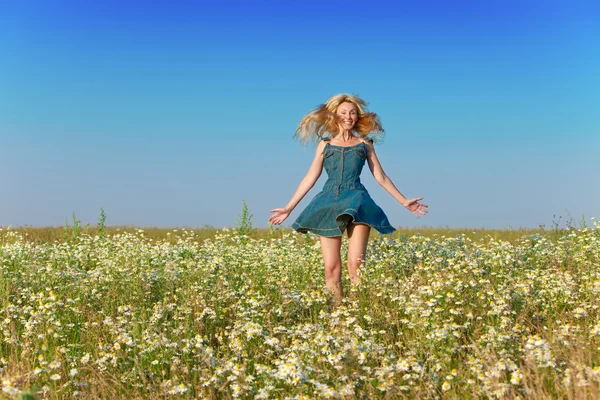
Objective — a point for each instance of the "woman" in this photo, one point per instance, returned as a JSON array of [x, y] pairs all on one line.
[[345, 131]]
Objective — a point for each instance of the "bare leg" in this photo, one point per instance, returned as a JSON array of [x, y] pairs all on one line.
[[358, 236], [330, 248]]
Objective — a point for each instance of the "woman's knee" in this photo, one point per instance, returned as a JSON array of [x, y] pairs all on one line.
[[333, 265], [333, 269], [330, 248]]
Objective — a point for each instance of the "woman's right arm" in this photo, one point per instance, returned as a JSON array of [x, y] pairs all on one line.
[[314, 172]]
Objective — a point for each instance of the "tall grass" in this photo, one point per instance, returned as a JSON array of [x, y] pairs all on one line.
[[437, 314]]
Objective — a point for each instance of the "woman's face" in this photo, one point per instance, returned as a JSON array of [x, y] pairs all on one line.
[[347, 115]]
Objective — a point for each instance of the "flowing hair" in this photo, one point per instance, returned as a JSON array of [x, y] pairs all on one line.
[[321, 123]]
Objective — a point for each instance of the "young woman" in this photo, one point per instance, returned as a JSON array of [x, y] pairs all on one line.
[[345, 132]]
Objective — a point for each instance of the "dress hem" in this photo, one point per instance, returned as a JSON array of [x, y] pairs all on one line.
[[383, 229]]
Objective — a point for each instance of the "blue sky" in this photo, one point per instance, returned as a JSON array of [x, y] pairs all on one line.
[[173, 113]]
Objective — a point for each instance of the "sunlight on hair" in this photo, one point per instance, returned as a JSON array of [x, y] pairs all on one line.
[[321, 122]]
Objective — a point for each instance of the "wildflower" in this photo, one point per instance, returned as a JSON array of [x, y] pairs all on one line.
[[7, 387], [567, 378], [515, 377], [403, 365], [54, 365], [236, 389], [595, 330]]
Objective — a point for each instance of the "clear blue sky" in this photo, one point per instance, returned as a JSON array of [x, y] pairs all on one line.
[[172, 113]]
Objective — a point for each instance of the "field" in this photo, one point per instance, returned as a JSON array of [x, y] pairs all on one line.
[[128, 313]]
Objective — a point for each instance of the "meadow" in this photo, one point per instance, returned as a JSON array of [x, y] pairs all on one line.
[[211, 314]]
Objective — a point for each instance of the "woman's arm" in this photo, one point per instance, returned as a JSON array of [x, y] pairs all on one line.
[[314, 172], [412, 205]]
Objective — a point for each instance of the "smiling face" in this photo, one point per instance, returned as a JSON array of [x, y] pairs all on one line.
[[347, 114]]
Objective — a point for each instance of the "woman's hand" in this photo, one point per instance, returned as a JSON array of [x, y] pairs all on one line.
[[280, 215], [415, 207]]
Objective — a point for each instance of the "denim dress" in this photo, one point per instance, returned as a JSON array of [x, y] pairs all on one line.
[[343, 198]]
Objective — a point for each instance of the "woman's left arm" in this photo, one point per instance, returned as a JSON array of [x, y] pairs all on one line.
[[412, 205]]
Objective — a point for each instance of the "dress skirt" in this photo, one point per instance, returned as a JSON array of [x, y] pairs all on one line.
[[330, 212]]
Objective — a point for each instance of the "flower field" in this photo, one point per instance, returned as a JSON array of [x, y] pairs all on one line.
[[126, 316]]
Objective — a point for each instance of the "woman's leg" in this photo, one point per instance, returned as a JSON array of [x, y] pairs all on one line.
[[358, 236], [330, 248]]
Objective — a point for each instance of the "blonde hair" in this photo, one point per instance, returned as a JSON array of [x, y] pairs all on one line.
[[321, 123]]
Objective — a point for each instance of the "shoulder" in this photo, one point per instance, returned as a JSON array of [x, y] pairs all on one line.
[[321, 145], [368, 143], [324, 142]]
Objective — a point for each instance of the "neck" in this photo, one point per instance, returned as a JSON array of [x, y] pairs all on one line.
[[345, 135]]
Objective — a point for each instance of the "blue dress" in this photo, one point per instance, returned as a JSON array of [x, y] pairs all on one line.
[[343, 198]]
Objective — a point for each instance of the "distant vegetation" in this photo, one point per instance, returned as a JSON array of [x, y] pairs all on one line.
[[57, 234]]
